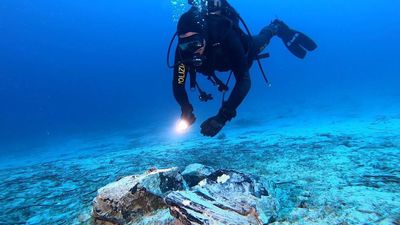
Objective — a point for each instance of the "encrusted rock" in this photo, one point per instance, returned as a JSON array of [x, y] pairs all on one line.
[[223, 197], [194, 173], [133, 197], [161, 217], [195, 208], [201, 195]]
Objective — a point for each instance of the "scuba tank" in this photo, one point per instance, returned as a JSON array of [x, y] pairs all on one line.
[[223, 8]]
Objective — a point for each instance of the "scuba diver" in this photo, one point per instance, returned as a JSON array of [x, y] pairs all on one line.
[[211, 39]]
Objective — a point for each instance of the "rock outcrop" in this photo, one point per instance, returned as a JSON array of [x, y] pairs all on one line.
[[134, 197], [198, 195], [194, 173]]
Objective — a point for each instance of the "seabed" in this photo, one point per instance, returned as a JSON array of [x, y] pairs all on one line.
[[337, 171]]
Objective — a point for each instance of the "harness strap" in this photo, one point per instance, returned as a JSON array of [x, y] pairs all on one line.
[[203, 96], [193, 81], [217, 82], [227, 83]]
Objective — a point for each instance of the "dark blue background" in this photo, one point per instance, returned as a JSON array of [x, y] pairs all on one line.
[[76, 67]]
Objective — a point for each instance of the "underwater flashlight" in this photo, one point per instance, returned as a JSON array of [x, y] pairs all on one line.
[[182, 126]]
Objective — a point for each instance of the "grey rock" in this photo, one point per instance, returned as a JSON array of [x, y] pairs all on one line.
[[223, 197], [191, 208], [132, 197], [163, 197], [249, 185], [161, 217], [194, 173]]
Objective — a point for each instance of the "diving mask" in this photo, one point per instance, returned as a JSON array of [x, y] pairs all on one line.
[[189, 46]]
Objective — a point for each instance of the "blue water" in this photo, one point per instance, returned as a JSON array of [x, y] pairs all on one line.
[[71, 67], [75, 72]]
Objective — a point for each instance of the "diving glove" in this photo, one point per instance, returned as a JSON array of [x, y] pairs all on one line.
[[214, 125], [187, 115], [296, 42]]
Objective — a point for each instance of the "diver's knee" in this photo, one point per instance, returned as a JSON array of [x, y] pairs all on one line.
[[245, 84], [268, 32]]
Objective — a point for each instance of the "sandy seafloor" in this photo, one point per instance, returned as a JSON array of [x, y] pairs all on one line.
[[343, 169]]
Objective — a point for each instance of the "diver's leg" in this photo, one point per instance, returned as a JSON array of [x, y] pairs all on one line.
[[261, 40]]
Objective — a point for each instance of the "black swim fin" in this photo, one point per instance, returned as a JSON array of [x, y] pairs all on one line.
[[297, 42]]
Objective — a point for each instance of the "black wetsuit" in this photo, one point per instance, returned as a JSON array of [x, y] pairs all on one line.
[[227, 48]]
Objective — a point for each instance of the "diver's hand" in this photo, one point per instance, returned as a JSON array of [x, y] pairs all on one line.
[[187, 115], [189, 118], [212, 126]]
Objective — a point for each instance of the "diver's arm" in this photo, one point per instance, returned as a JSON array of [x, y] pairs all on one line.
[[233, 49], [237, 54], [179, 90], [178, 85]]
